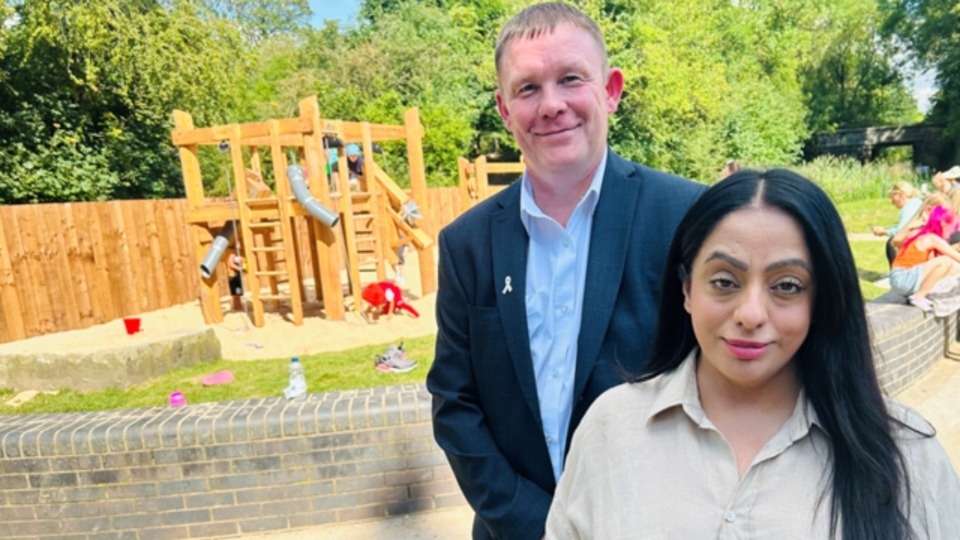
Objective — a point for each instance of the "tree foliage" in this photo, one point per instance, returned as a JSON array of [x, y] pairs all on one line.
[[851, 79], [929, 30], [87, 87]]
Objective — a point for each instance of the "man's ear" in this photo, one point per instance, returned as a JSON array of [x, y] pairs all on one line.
[[614, 89], [502, 108]]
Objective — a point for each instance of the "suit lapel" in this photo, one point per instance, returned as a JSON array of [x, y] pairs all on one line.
[[509, 255], [612, 223]]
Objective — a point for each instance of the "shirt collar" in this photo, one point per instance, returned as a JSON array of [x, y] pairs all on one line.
[[679, 389], [529, 208]]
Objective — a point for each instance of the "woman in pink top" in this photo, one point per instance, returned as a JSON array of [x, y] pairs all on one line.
[[926, 261]]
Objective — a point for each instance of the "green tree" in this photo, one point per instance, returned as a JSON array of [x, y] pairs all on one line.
[[850, 79], [419, 56], [89, 91], [260, 19], [706, 81], [929, 30]]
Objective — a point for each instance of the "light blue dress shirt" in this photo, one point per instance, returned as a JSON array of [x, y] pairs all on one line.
[[556, 274]]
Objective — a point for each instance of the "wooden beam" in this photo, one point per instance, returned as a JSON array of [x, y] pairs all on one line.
[[327, 273], [418, 185], [189, 161], [185, 136]]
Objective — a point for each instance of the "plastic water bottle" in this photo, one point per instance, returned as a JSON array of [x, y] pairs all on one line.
[[298, 383]]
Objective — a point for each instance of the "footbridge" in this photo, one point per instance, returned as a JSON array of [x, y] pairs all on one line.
[[863, 142]]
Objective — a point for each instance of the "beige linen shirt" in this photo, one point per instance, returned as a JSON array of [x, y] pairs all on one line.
[[647, 463]]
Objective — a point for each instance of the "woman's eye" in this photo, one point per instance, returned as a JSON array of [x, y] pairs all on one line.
[[723, 284], [789, 287]]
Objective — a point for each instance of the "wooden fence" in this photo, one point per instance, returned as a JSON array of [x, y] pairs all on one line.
[[75, 265]]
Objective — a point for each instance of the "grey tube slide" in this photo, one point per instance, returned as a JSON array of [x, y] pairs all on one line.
[[222, 241], [325, 215], [220, 244]]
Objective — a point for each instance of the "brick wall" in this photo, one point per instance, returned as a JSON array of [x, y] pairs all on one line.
[[220, 469], [223, 469], [906, 342]]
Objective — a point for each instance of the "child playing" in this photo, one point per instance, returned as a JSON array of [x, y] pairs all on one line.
[[235, 264], [385, 298]]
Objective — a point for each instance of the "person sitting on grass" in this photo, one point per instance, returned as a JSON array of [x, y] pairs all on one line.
[[927, 262], [907, 200]]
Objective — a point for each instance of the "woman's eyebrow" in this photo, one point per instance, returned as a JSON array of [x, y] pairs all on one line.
[[740, 265], [736, 263]]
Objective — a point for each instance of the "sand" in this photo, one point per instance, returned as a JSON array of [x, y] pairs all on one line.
[[241, 340]]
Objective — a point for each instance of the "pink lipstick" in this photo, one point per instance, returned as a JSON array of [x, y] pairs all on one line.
[[745, 350]]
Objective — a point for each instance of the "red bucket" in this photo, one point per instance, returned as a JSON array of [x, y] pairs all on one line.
[[132, 325]]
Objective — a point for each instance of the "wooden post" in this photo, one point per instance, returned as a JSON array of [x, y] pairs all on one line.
[[481, 178], [418, 185], [286, 230], [193, 187], [467, 188], [327, 271], [8, 293]]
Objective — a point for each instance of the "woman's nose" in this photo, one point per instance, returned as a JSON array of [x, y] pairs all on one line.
[[751, 311]]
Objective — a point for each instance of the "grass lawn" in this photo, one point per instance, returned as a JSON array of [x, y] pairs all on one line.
[[858, 216], [351, 369], [354, 369], [869, 255]]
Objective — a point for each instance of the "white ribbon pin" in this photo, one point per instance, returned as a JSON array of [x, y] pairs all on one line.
[[506, 286]]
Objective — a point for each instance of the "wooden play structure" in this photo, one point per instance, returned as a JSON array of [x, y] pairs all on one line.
[[474, 179], [374, 219]]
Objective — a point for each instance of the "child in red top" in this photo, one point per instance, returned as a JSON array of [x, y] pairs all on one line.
[[385, 298]]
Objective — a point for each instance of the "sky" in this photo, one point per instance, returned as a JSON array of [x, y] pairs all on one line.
[[344, 11]]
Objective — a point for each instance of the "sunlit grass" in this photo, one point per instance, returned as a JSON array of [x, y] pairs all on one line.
[[342, 370], [859, 216]]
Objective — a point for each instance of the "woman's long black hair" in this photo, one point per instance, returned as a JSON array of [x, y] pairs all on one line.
[[835, 363]]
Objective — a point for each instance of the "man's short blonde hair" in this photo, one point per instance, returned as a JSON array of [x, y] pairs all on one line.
[[904, 188], [539, 19]]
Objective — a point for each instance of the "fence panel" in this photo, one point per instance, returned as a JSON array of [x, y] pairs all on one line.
[[74, 265]]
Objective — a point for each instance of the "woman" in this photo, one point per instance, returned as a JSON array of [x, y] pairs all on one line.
[[920, 218], [907, 199], [759, 413], [925, 260]]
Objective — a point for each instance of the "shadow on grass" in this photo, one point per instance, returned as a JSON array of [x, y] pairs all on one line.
[[870, 275]]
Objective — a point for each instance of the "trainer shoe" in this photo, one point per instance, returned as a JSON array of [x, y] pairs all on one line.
[[395, 360], [922, 302]]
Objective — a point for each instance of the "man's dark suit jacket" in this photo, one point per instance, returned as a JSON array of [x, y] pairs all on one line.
[[486, 415]]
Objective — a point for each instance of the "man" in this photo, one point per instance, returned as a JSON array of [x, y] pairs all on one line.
[[548, 290]]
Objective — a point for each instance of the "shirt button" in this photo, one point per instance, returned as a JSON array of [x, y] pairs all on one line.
[[730, 517], [549, 439], [566, 242], [556, 374], [563, 309]]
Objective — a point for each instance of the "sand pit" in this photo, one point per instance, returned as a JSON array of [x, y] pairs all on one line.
[[241, 340]]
